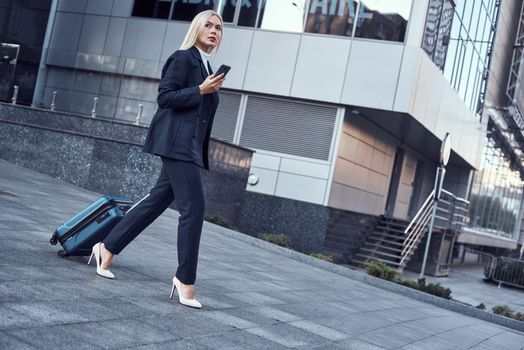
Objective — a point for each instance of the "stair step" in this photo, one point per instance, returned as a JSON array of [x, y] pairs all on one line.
[[387, 235], [394, 223], [389, 229], [368, 244], [378, 252], [385, 240], [392, 219], [386, 261]]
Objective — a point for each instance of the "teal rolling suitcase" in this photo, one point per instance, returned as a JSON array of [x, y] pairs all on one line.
[[78, 235]]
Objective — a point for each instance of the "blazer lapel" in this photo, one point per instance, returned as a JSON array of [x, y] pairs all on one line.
[[196, 55]]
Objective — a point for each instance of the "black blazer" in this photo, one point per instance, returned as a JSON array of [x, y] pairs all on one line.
[[181, 126]]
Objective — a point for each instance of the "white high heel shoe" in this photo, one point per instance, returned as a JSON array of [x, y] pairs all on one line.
[[99, 270], [184, 301]]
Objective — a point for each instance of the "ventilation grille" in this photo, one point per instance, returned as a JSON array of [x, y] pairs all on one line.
[[226, 117], [288, 127]]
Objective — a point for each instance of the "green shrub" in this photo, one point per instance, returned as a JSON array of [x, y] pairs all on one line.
[[381, 270], [503, 310], [280, 240], [438, 290], [409, 283], [481, 306], [321, 256], [218, 220]]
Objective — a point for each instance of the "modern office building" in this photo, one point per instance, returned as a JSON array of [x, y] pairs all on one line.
[[345, 103]]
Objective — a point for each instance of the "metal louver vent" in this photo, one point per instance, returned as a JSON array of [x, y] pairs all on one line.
[[226, 117], [288, 127]]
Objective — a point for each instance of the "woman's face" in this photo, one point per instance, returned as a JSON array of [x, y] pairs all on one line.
[[211, 34]]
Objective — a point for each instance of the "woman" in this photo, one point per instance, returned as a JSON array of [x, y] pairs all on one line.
[[179, 134]]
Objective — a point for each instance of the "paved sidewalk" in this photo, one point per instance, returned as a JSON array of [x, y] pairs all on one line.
[[253, 298]]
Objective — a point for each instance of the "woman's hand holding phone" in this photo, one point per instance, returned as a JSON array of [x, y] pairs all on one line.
[[215, 81], [211, 84]]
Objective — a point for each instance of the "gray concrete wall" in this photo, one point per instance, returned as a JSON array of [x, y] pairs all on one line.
[[106, 156]]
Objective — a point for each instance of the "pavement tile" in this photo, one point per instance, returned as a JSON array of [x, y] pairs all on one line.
[[504, 340], [288, 335], [228, 319], [186, 323], [8, 342], [320, 330], [396, 335], [10, 318], [356, 344], [354, 324], [236, 340], [254, 298]]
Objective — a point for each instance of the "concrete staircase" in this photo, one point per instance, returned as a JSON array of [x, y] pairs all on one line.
[[345, 234], [385, 243]]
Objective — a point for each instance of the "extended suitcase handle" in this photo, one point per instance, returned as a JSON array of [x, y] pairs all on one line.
[[137, 203]]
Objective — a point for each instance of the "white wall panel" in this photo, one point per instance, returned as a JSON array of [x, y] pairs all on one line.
[[302, 188], [409, 72], [320, 69], [272, 62], [417, 22], [372, 75], [234, 51], [312, 169], [267, 180], [439, 108], [266, 161]]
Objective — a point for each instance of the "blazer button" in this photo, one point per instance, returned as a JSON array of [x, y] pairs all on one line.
[[204, 121]]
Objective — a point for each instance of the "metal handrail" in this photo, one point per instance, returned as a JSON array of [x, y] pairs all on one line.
[[420, 210], [409, 246], [417, 226]]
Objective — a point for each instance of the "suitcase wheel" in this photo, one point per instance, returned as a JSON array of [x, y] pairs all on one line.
[[61, 253], [53, 240]]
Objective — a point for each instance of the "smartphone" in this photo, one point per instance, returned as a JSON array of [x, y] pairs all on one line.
[[222, 69]]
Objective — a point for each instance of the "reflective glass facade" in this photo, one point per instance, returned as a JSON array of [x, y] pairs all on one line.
[[370, 19], [458, 38], [22, 30], [496, 193]]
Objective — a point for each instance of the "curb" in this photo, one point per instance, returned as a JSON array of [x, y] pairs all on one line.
[[451, 305]]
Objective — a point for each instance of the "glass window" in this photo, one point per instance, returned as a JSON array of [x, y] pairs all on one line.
[[496, 192], [282, 15], [331, 17], [227, 9], [429, 41], [187, 10], [383, 19], [248, 13], [152, 8]]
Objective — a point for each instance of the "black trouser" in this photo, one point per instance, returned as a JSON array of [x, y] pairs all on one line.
[[180, 181]]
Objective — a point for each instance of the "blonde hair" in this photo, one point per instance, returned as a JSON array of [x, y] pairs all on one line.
[[196, 27]]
